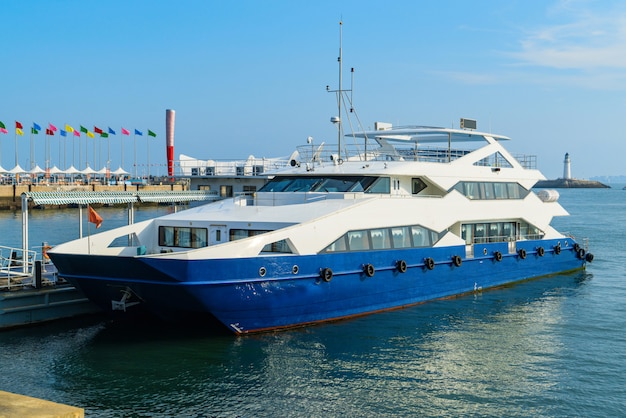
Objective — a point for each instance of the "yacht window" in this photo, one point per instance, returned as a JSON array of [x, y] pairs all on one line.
[[302, 184], [184, 237], [417, 185], [339, 245], [384, 238], [500, 190], [514, 191], [381, 185], [321, 184], [236, 234], [490, 190], [401, 237], [277, 184], [358, 240], [380, 239], [277, 247]]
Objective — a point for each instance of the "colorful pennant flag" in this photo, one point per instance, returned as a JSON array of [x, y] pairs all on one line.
[[90, 134], [69, 128], [94, 218], [77, 133], [18, 125], [34, 131], [52, 127], [83, 129], [150, 133], [19, 131], [97, 130], [36, 126], [138, 132], [2, 126], [111, 131], [49, 132], [4, 130], [125, 131], [62, 132], [104, 135]]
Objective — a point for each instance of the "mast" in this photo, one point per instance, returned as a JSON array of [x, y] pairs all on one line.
[[339, 102]]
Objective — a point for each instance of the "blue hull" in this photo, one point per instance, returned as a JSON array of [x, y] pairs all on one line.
[[236, 292]]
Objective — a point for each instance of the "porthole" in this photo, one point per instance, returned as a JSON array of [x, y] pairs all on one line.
[[262, 271]]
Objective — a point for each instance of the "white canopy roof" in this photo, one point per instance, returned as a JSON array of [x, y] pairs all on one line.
[[119, 171], [88, 170], [17, 170], [37, 170]]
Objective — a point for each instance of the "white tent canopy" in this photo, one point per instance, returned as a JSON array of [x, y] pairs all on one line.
[[120, 171], [17, 170], [37, 170], [88, 170]]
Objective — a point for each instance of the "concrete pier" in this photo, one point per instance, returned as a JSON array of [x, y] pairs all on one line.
[[13, 405]]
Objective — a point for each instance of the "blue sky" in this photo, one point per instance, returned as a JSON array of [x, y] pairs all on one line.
[[249, 77]]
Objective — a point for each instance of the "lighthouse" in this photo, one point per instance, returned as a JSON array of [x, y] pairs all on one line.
[[567, 170]]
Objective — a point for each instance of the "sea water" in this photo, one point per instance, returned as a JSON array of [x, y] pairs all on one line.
[[551, 347]]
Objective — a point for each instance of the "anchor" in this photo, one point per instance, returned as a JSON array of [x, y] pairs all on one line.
[[122, 304]]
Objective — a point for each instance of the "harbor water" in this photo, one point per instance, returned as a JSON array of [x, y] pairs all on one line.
[[551, 347]]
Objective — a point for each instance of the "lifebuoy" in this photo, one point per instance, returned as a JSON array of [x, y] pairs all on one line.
[[522, 253], [581, 253], [497, 255], [327, 274], [540, 251], [429, 263], [369, 270], [401, 266], [557, 249], [456, 260]]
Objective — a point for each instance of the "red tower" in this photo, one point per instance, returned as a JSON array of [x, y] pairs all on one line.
[[170, 117]]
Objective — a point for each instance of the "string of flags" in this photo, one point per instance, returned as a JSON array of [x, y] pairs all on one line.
[[69, 130]]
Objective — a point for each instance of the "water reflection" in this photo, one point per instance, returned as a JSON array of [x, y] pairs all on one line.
[[482, 354]]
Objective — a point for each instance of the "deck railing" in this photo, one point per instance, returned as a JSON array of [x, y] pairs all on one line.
[[17, 267]]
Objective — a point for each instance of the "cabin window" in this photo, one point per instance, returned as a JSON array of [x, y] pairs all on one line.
[[401, 237], [417, 185], [338, 246], [328, 184], [490, 190], [384, 238], [183, 237], [380, 239], [382, 185], [498, 232], [358, 240], [236, 234], [280, 246]]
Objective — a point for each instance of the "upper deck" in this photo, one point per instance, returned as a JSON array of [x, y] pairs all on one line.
[[412, 143]]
